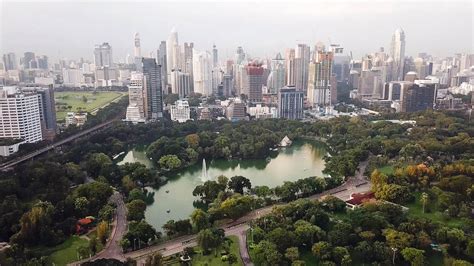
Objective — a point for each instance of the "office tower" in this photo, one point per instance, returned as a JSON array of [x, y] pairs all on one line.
[[153, 90], [341, 63], [202, 72], [29, 60], [290, 103], [180, 111], [227, 85], [47, 109], [172, 53], [162, 61], [182, 85], [137, 98], [370, 83], [216, 80], [188, 63], [137, 49], [20, 115], [215, 59], [253, 87], [103, 55], [466, 61], [276, 79], [290, 67], [239, 55], [319, 82], [72, 77], [418, 97], [10, 62], [421, 67], [393, 90], [106, 77], [43, 62], [302, 56], [397, 52]]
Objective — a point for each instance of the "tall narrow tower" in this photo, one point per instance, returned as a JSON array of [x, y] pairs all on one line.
[[137, 51], [397, 52], [215, 59]]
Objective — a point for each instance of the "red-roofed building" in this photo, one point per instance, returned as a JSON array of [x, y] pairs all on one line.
[[358, 198], [83, 225]]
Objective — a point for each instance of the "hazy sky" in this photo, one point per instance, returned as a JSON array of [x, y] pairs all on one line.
[[70, 29]]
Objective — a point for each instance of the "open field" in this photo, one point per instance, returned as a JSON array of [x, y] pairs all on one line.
[[211, 259], [416, 209], [67, 251], [73, 101]]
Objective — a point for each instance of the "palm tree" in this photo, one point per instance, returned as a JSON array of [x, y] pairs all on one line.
[[424, 200]]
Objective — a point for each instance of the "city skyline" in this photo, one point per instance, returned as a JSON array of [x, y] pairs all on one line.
[[72, 40]]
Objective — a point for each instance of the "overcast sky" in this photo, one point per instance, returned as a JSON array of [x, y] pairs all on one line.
[[70, 29]]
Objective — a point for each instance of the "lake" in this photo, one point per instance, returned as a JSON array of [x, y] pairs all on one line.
[[302, 159]]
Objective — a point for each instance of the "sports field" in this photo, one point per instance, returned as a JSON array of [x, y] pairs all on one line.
[[72, 101]]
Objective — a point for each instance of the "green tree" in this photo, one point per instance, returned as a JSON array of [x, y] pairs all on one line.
[[200, 219], [266, 253], [414, 256], [102, 231], [238, 183], [136, 210], [398, 239], [170, 162], [93, 245], [339, 254], [231, 259], [155, 259], [292, 254], [322, 250]]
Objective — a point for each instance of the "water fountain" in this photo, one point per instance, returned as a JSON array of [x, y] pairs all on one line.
[[204, 175]]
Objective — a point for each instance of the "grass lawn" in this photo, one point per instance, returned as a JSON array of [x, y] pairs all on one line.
[[387, 169], [75, 99], [416, 209], [199, 259], [67, 251]]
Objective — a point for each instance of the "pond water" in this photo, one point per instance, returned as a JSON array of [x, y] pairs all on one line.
[[302, 159]]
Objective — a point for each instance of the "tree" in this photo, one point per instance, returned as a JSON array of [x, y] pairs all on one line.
[[81, 205], [238, 183], [208, 191], [171, 98], [200, 219], [397, 239], [170, 162], [93, 245], [266, 253], [235, 206], [322, 250], [209, 239], [424, 200], [155, 259], [83, 252], [307, 233], [136, 210], [394, 193], [292, 254], [470, 249], [141, 231], [36, 226], [414, 256], [222, 180], [192, 140], [102, 231], [231, 259], [339, 254]]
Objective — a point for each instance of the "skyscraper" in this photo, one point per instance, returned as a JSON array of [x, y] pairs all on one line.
[[418, 97], [20, 117], [253, 87], [10, 62], [290, 67], [215, 59], [319, 82], [103, 55], [276, 79], [397, 52], [137, 98], [239, 55], [47, 109], [302, 54], [152, 77], [29, 60], [173, 54], [137, 51], [290, 103], [202, 72], [162, 61]]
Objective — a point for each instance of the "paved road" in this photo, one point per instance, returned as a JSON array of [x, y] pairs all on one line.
[[112, 248], [10, 164]]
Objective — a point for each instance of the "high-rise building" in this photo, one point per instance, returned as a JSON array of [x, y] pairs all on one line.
[[47, 109], [302, 56], [173, 54], [290, 63], [29, 61], [153, 90], [239, 55], [202, 72], [319, 82], [137, 107], [290, 103], [43, 62], [215, 59], [161, 59], [180, 111], [276, 79], [397, 52], [188, 63], [137, 49], [236, 111], [227, 85], [19, 115], [103, 55], [182, 83], [10, 61], [253, 87], [418, 97]]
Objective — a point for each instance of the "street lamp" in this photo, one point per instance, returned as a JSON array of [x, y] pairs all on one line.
[[394, 252]]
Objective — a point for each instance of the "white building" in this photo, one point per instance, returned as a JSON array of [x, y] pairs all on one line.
[[19, 115], [202, 72], [73, 77], [180, 111], [397, 52], [136, 97], [77, 119]]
